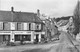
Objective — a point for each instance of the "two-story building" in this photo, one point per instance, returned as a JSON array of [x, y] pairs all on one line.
[[16, 26]]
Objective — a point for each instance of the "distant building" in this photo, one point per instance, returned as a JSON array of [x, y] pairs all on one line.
[[64, 23], [16, 26]]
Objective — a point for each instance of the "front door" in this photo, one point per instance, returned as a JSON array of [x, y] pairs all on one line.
[[37, 37]]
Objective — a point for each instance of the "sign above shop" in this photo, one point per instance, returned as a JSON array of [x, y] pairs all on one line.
[[22, 32], [15, 32], [5, 32]]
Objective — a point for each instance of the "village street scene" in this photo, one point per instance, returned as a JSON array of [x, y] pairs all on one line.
[[39, 26]]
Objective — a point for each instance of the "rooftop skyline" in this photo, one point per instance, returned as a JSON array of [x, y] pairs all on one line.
[[52, 8]]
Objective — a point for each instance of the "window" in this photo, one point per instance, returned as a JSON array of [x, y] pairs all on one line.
[[38, 26], [6, 37], [6, 26], [17, 37], [25, 26], [23, 37], [32, 26], [1, 25], [26, 37], [29, 26], [19, 26]]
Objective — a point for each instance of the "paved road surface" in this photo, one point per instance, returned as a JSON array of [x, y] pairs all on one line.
[[65, 44]]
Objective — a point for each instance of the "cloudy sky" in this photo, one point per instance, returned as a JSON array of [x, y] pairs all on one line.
[[48, 7]]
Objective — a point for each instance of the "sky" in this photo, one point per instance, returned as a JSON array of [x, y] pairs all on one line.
[[53, 8]]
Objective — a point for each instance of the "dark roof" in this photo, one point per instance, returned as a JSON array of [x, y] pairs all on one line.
[[63, 18], [64, 22], [19, 16]]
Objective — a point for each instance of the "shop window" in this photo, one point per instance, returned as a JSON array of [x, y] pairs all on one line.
[[26, 37], [42, 36], [17, 37], [23, 37], [6, 37]]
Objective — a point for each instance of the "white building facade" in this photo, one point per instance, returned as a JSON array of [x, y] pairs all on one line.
[[17, 26]]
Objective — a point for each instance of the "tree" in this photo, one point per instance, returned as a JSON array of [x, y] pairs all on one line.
[[76, 18]]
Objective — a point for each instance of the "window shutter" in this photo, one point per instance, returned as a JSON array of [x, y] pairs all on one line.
[[19, 26], [34, 26], [39, 26], [16, 26], [12, 26], [31, 26], [25, 26], [1, 25], [22, 26]]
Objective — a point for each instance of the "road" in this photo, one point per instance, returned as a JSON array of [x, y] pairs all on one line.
[[23, 48], [65, 44]]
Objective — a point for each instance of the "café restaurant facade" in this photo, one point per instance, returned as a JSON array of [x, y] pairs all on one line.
[[16, 26]]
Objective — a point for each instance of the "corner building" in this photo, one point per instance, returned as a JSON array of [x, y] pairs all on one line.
[[16, 26]]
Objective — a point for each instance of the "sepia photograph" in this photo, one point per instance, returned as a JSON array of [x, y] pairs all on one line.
[[39, 25]]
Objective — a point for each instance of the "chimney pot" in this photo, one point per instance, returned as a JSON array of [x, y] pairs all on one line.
[[38, 12], [12, 9]]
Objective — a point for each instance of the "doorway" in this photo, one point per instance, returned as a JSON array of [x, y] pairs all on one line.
[[4, 38], [37, 37]]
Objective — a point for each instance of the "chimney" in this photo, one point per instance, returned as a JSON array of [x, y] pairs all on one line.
[[12, 9], [38, 12], [12, 12]]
